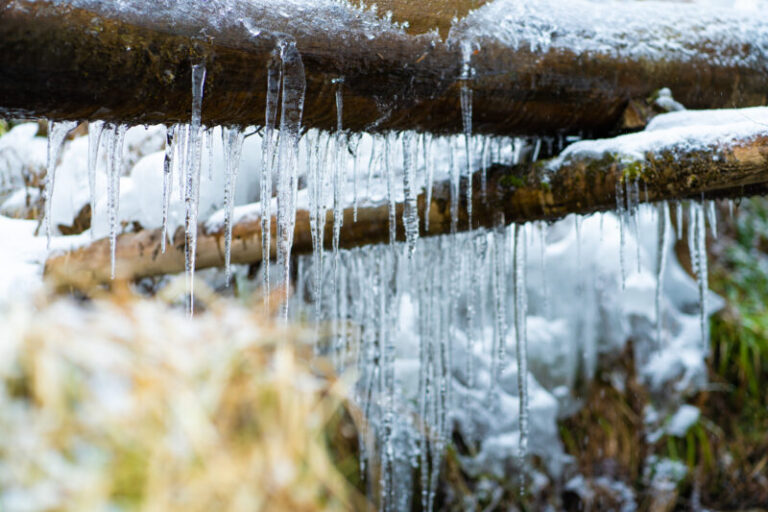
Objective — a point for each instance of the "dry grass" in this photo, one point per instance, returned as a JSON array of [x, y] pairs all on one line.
[[129, 404]]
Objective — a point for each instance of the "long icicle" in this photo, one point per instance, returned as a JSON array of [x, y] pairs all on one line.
[[57, 134], [233, 148], [410, 208], [466, 117], [95, 129], [661, 261], [521, 344], [274, 78], [167, 181], [192, 179], [114, 168], [291, 110]]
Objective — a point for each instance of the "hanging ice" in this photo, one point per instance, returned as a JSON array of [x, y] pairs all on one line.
[[661, 261], [274, 79], [466, 118], [521, 341], [115, 137], [429, 176], [57, 134], [167, 180], [95, 129], [291, 109], [233, 146], [410, 208], [191, 174]]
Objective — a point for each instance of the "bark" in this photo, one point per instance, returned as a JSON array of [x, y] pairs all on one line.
[[64, 63], [514, 194]]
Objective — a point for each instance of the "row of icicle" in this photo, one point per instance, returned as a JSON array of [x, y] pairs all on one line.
[[376, 281]]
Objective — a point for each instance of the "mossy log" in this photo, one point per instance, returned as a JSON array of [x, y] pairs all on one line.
[[513, 194], [61, 62]]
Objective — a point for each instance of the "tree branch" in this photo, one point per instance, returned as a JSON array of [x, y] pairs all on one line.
[[61, 62], [540, 191]]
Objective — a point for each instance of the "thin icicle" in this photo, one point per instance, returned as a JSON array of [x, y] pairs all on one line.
[[661, 261], [338, 178], [730, 208], [167, 181], [622, 236], [410, 209], [57, 134], [712, 217], [95, 129], [233, 146], [679, 219], [192, 179], [116, 136], [274, 77], [355, 171], [455, 189], [499, 292], [521, 344], [484, 155], [390, 174], [209, 151], [291, 109], [634, 193], [466, 118], [429, 176], [697, 246]]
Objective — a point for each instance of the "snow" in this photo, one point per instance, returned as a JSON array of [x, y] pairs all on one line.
[[688, 130]]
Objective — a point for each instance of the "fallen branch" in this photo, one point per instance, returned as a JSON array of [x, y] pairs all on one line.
[[61, 62], [573, 183]]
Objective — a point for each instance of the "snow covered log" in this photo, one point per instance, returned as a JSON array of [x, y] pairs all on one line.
[[726, 161], [538, 67]]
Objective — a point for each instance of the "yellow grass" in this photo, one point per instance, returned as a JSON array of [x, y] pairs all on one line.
[[129, 404]]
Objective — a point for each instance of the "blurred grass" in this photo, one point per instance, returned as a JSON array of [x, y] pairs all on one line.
[[126, 404]]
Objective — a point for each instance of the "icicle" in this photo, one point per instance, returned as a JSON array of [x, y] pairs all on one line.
[[712, 217], [577, 229], [390, 174], [429, 170], [95, 129], [57, 134], [167, 181], [622, 236], [338, 180], [633, 192], [233, 146], [661, 260], [498, 288], [455, 182], [292, 107], [521, 339], [484, 155], [730, 208], [209, 150], [274, 77], [466, 117], [697, 246], [679, 219], [410, 209], [191, 168], [116, 136], [355, 172], [543, 228]]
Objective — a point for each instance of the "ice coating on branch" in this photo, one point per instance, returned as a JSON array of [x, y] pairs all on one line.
[[233, 147], [57, 134]]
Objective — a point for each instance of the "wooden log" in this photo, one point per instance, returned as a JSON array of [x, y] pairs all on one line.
[[523, 193], [61, 62]]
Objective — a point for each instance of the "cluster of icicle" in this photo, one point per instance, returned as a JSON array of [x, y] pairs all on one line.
[[458, 281]]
